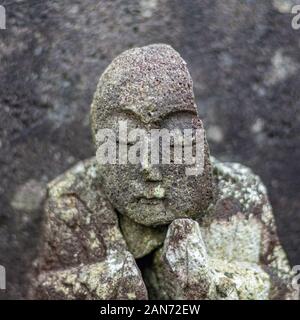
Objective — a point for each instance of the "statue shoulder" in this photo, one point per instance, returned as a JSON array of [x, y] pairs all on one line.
[[240, 225], [79, 225], [83, 182], [240, 190], [83, 253]]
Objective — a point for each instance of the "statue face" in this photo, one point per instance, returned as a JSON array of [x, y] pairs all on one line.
[[156, 96], [153, 194]]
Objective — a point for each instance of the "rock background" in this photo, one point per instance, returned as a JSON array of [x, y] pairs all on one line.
[[245, 63]]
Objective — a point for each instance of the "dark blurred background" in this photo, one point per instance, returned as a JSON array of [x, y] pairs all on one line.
[[245, 62]]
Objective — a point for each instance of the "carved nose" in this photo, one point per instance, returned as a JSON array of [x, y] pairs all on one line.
[[151, 173]]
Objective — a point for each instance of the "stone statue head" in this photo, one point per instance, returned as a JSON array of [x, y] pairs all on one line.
[[150, 88]]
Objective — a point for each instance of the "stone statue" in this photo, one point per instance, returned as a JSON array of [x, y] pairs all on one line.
[[138, 231]]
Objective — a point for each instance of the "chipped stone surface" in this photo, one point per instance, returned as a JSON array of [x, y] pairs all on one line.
[[117, 277], [83, 253]]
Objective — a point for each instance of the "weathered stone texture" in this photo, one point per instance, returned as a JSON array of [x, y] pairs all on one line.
[[243, 57], [234, 251], [83, 254], [141, 240], [150, 88]]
